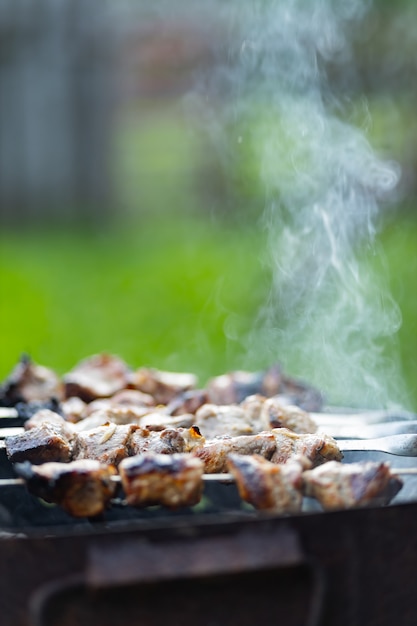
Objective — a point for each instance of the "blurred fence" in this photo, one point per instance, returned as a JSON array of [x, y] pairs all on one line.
[[56, 102], [68, 67]]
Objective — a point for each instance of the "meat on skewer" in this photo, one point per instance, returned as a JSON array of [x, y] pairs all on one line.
[[99, 376], [29, 382], [173, 481], [108, 444], [318, 448], [82, 488], [162, 386], [214, 452], [216, 420], [267, 486], [40, 444], [343, 486]]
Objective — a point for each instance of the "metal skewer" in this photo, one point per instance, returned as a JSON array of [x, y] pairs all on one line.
[[399, 445], [221, 478], [207, 478]]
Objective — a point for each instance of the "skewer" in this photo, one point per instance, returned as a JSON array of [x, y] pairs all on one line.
[[221, 478], [398, 445], [327, 417], [207, 478]]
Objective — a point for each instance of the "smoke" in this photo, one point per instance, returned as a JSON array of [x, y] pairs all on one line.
[[329, 317]]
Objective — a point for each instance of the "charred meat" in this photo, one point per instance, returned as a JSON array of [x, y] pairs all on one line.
[[214, 420], [162, 386], [167, 441], [214, 452], [29, 382], [318, 448], [267, 486], [342, 486], [82, 488], [172, 481], [234, 387], [278, 415], [99, 376], [41, 444], [108, 444]]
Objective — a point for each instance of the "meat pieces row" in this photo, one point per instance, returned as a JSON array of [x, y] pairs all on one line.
[[84, 488], [104, 375], [53, 440], [280, 488]]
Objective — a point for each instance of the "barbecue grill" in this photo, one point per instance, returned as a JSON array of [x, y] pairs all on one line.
[[219, 563]]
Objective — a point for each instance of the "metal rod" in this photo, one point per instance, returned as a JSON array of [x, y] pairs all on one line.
[[207, 478], [221, 478]]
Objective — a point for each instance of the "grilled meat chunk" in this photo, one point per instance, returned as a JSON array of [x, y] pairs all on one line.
[[160, 421], [43, 443], [162, 386], [29, 382], [108, 444], [82, 488], [343, 486], [234, 387], [167, 441], [74, 409], [45, 416], [266, 413], [318, 448], [269, 487], [98, 376], [233, 420], [187, 402], [214, 452], [172, 481], [278, 415]]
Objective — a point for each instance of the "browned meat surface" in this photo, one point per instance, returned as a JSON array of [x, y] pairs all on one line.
[[172, 481], [29, 382], [133, 398], [268, 487], [50, 417], [215, 451], [162, 386], [160, 421], [277, 415], [99, 376], [234, 387], [43, 443], [82, 488], [192, 438], [167, 441], [318, 448], [343, 486], [233, 420], [187, 402], [74, 409], [119, 414], [108, 444]]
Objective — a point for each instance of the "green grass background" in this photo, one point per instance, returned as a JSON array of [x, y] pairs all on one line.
[[179, 293]]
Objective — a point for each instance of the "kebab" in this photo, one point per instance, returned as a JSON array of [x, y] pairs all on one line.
[[103, 391], [85, 488]]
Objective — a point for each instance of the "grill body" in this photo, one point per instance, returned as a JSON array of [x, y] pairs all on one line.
[[350, 568]]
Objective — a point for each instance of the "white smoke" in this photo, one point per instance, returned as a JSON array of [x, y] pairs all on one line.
[[329, 318]]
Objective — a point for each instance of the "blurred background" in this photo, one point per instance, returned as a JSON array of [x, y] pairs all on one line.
[[124, 227]]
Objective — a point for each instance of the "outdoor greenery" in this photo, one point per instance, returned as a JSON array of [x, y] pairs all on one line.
[[180, 294], [177, 278]]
